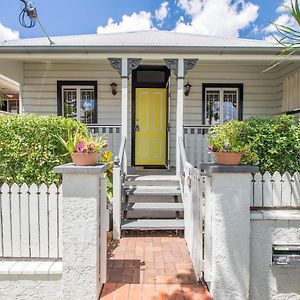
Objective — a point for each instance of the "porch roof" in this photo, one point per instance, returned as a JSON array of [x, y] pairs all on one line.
[[153, 40]]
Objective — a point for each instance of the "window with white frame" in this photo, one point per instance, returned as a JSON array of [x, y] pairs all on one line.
[[221, 104], [78, 100]]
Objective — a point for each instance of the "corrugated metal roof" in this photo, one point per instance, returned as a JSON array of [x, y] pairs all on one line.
[[151, 38]]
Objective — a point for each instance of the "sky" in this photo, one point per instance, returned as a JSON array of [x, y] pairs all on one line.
[[249, 19]]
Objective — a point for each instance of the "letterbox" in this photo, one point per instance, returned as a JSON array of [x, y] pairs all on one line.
[[286, 255]]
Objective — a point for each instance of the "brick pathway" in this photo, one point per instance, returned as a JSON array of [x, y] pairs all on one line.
[[151, 266]]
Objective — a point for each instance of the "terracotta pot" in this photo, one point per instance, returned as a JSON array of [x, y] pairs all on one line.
[[228, 158], [85, 159]]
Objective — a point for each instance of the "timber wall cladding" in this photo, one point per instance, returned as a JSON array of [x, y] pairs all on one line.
[[291, 92], [40, 79], [30, 221]]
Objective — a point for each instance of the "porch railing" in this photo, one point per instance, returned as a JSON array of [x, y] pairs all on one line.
[[119, 174], [196, 144], [192, 188], [112, 132]]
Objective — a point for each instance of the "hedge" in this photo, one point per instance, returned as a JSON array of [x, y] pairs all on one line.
[[276, 141], [29, 148]]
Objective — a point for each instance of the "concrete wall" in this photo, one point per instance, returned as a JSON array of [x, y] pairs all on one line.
[[25, 287], [268, 281]]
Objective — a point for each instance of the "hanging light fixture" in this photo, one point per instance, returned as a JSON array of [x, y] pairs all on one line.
[[187, 87], [114, 88]]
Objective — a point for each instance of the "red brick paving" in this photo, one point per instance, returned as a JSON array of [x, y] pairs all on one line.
[[151, 266]]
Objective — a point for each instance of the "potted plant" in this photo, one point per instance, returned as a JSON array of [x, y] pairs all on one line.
[[227, 143], [84, 148]]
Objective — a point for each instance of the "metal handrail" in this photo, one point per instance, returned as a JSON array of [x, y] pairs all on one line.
[[121, 155], [184, 161]]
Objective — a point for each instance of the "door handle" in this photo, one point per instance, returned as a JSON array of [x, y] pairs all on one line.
[[137, 127]]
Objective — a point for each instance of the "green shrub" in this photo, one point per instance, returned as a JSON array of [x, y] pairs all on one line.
[[276, 141], [29, 147]]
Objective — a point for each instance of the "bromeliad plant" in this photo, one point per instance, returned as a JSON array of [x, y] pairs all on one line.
[[84, 148], [226, 137], [83, 143], [229, 138]]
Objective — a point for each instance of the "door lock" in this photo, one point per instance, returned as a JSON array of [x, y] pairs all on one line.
[[137, 127]]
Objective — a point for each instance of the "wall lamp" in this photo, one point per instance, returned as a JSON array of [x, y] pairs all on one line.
[[114, 88], [187, 87]]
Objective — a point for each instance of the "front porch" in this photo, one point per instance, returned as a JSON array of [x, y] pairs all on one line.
[[189, 116]]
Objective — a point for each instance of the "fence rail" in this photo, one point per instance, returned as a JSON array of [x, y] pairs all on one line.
[[196, 145], [276, 190], [112, 132], [30, 221]]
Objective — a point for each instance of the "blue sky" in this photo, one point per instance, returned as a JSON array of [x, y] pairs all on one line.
[[232, 18]]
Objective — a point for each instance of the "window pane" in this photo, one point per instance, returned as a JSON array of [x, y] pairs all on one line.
[[70, 100], [230, 110], [150, 76], [87, 106], [212, 107]]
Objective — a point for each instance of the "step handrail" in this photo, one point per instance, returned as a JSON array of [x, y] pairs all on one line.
[[119, 174]]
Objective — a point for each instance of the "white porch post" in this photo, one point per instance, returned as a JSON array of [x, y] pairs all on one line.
[[124, 112], [179, 114], [180, 67]]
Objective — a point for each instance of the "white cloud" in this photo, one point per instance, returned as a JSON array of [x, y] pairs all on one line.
[[7, 33], [282, 7], [216, 17], [135, 22], [162, 12], [284, 19]]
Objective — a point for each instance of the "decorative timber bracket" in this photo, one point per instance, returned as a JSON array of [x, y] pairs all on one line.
[[132, 64], [188, 64]]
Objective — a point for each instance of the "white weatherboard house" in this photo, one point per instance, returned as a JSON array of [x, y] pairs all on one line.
[[73, 78], [154, 94]]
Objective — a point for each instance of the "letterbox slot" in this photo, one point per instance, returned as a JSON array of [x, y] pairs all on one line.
[[286, 255]]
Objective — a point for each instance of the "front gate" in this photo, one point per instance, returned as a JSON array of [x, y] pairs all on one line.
[[192, 185]]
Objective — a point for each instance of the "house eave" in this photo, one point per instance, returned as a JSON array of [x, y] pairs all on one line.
[[62, 49]]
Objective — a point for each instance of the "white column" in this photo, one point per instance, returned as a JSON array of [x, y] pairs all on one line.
[[227, 231], [84, 216], [179, 114], [124, 113]]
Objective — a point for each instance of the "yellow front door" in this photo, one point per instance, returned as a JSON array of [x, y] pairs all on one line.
[[151, 127]]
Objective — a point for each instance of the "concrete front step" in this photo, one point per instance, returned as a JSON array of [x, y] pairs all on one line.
[[152, 180], [152, 224], [157, 207], [153, 190]]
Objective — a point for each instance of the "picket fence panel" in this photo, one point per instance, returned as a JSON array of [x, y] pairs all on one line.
[[276, 190], [30, 221]]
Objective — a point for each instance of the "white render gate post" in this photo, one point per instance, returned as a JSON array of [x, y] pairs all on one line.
[[227, 230], [84, 214]]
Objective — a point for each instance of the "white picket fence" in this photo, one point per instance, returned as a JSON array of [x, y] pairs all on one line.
[[30, 221], [276, 190]]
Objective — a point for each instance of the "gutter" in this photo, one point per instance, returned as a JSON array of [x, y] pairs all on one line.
[[139, 49]]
